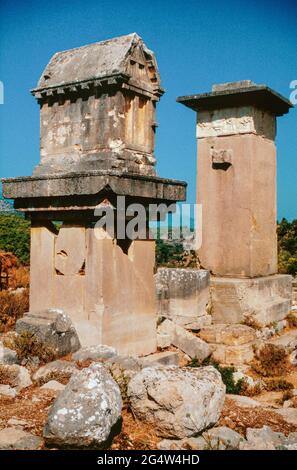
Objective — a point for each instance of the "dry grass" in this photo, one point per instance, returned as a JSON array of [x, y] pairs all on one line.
[[272, 360], [135, 435], [292, 320], [12, 307], [277, 384], [20, 277], [22, 407], [239, 419], [8, 375], [26, 345]]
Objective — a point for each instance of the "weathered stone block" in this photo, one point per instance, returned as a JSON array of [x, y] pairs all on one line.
[[185, 341], [242, 354], [53, 328], [95, 353], [167, 358], [232, 335], [179, 402], [183, 295], [264, 300]]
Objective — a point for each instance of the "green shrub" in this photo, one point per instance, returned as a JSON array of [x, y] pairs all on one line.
[[287, 247], [15, 236], [232, 387]]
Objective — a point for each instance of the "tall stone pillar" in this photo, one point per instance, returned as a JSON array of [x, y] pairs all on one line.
[[97, 125], [236, 187]]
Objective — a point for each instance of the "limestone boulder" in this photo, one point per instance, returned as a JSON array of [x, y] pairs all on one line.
[[86, 412], [123, 368], [53, 328], [166, 358], [17, 377], [178, 402], [58, 369], [99, 352], [7, 391], [7, 355], [222, 438], [184, 340], [266, 439], [219, 438], [53, 385]]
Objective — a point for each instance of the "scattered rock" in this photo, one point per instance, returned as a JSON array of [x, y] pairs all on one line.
[[8, 391], [288, 414], [230, 335], [53, 328], [233, 355], [188, 443], [185, 341], [293, 358], [179, 402], [244, 402], [7, 355], [16, 376], [32, 362], [95, 353], [54, 370], [266, 439], [85, 414], [248, 380], [286, 340], [122, 369], [13, 438], [17, 423], [167, 358], [53, 385], [163, 340], [222, 438]]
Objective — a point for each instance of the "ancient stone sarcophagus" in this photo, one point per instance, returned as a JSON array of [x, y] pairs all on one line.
[[97, 108], [97, 114]]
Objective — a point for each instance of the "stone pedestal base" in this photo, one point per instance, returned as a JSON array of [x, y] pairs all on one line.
[[262, 300], [183, 296], [106, 289]]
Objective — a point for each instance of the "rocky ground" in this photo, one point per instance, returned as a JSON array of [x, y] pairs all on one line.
[[175, 399]]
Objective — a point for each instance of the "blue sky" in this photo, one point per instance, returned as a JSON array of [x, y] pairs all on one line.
[[197, 43]]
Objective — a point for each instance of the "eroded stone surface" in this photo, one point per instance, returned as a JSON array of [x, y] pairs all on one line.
[[7, 355], [55, 369], [183, 296], [179, 402], [17, 376], [13, 438], [166, 358], [53, 328], [185, 341], [95, 353], [86, 412], [53, 385]]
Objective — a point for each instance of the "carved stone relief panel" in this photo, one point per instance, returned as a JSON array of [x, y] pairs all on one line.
[[70, 250]]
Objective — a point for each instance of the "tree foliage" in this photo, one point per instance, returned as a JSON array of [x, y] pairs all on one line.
[[15, 236], [287, 247]]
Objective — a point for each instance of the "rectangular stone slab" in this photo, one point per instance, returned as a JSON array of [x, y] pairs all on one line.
[[27, 190]]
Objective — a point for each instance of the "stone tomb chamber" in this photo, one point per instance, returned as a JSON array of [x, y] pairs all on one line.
[[97, 127]]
